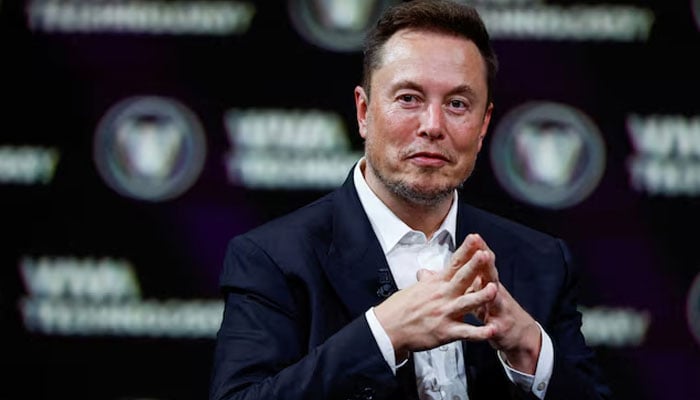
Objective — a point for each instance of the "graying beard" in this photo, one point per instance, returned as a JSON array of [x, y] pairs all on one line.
[[409, 194]]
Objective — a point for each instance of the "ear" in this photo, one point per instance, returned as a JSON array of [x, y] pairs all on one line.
[[361, 104], [485, 124]]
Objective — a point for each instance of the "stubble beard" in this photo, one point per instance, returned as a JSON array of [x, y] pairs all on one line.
[[411, 193]]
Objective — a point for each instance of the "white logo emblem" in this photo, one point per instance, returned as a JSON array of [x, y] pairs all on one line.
[[149, 148], [547, 154], [336, 25]]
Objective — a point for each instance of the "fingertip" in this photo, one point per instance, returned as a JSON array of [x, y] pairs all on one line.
[[492, 289], [471, 240], [492, 330], [424, 273], [475, 237]]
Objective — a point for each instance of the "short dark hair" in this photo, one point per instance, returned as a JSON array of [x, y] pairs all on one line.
[[442, 16]]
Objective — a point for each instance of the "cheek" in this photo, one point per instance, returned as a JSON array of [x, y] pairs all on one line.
[[393, 121], [470, 138], [468, 150], [467, 145], [390, 132]]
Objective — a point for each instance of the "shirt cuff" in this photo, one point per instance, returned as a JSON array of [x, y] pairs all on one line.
[[383, 341], [537, 384]]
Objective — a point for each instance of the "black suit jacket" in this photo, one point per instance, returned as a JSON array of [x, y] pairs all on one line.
[[296, 290]]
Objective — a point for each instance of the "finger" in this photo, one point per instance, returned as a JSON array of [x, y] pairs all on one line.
[[476, 284], [481, 264], [478, 241], [424, 274], [473, 333], [480, 244], [501, 301], [462, 255], [470, 302]]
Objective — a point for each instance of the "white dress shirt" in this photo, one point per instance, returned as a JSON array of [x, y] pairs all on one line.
[[440, 372]]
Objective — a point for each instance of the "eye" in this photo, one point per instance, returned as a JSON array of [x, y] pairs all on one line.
[[458, 104], [407, 98]]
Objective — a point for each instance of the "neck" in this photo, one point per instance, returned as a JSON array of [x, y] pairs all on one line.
[[420, 217], [426, 219]]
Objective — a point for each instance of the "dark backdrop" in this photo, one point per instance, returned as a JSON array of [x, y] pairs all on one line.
[[635, 243]]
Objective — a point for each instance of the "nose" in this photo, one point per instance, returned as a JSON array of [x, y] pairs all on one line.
[[431, 122]]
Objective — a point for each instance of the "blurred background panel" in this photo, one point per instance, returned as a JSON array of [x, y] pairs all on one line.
[[139, 136]]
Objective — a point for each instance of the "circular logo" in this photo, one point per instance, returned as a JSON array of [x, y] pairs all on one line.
[[149, 148], [693, 308], [336, 25], [547, 154]]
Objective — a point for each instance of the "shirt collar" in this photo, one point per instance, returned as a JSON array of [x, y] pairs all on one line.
[[387, 226]]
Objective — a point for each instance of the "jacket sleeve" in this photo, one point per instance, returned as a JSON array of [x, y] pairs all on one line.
[[262, 349], [576, 374]]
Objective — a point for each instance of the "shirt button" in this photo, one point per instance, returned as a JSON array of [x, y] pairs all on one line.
[[541, 386]]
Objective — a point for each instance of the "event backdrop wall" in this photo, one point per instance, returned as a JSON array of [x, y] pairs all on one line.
[[139, 136]]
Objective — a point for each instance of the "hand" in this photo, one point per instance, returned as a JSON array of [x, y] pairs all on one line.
[[515, 334], [486, 272], [430, 313]]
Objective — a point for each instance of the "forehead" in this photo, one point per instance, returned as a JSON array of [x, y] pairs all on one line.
[[419, 53], [407, 42]]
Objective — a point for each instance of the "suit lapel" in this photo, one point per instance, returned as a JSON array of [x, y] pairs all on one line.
[[356, 262], [469, 221]]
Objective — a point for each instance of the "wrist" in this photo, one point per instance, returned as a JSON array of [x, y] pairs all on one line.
[[524, 356]]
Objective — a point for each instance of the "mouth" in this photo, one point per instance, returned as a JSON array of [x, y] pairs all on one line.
[[428, 159]]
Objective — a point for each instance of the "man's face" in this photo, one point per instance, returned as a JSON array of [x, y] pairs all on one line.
[[427, 117]]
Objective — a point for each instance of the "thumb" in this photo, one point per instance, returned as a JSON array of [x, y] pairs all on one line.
[[423, 274]]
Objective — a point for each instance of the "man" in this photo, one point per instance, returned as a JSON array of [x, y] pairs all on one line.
[[485, 308]]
